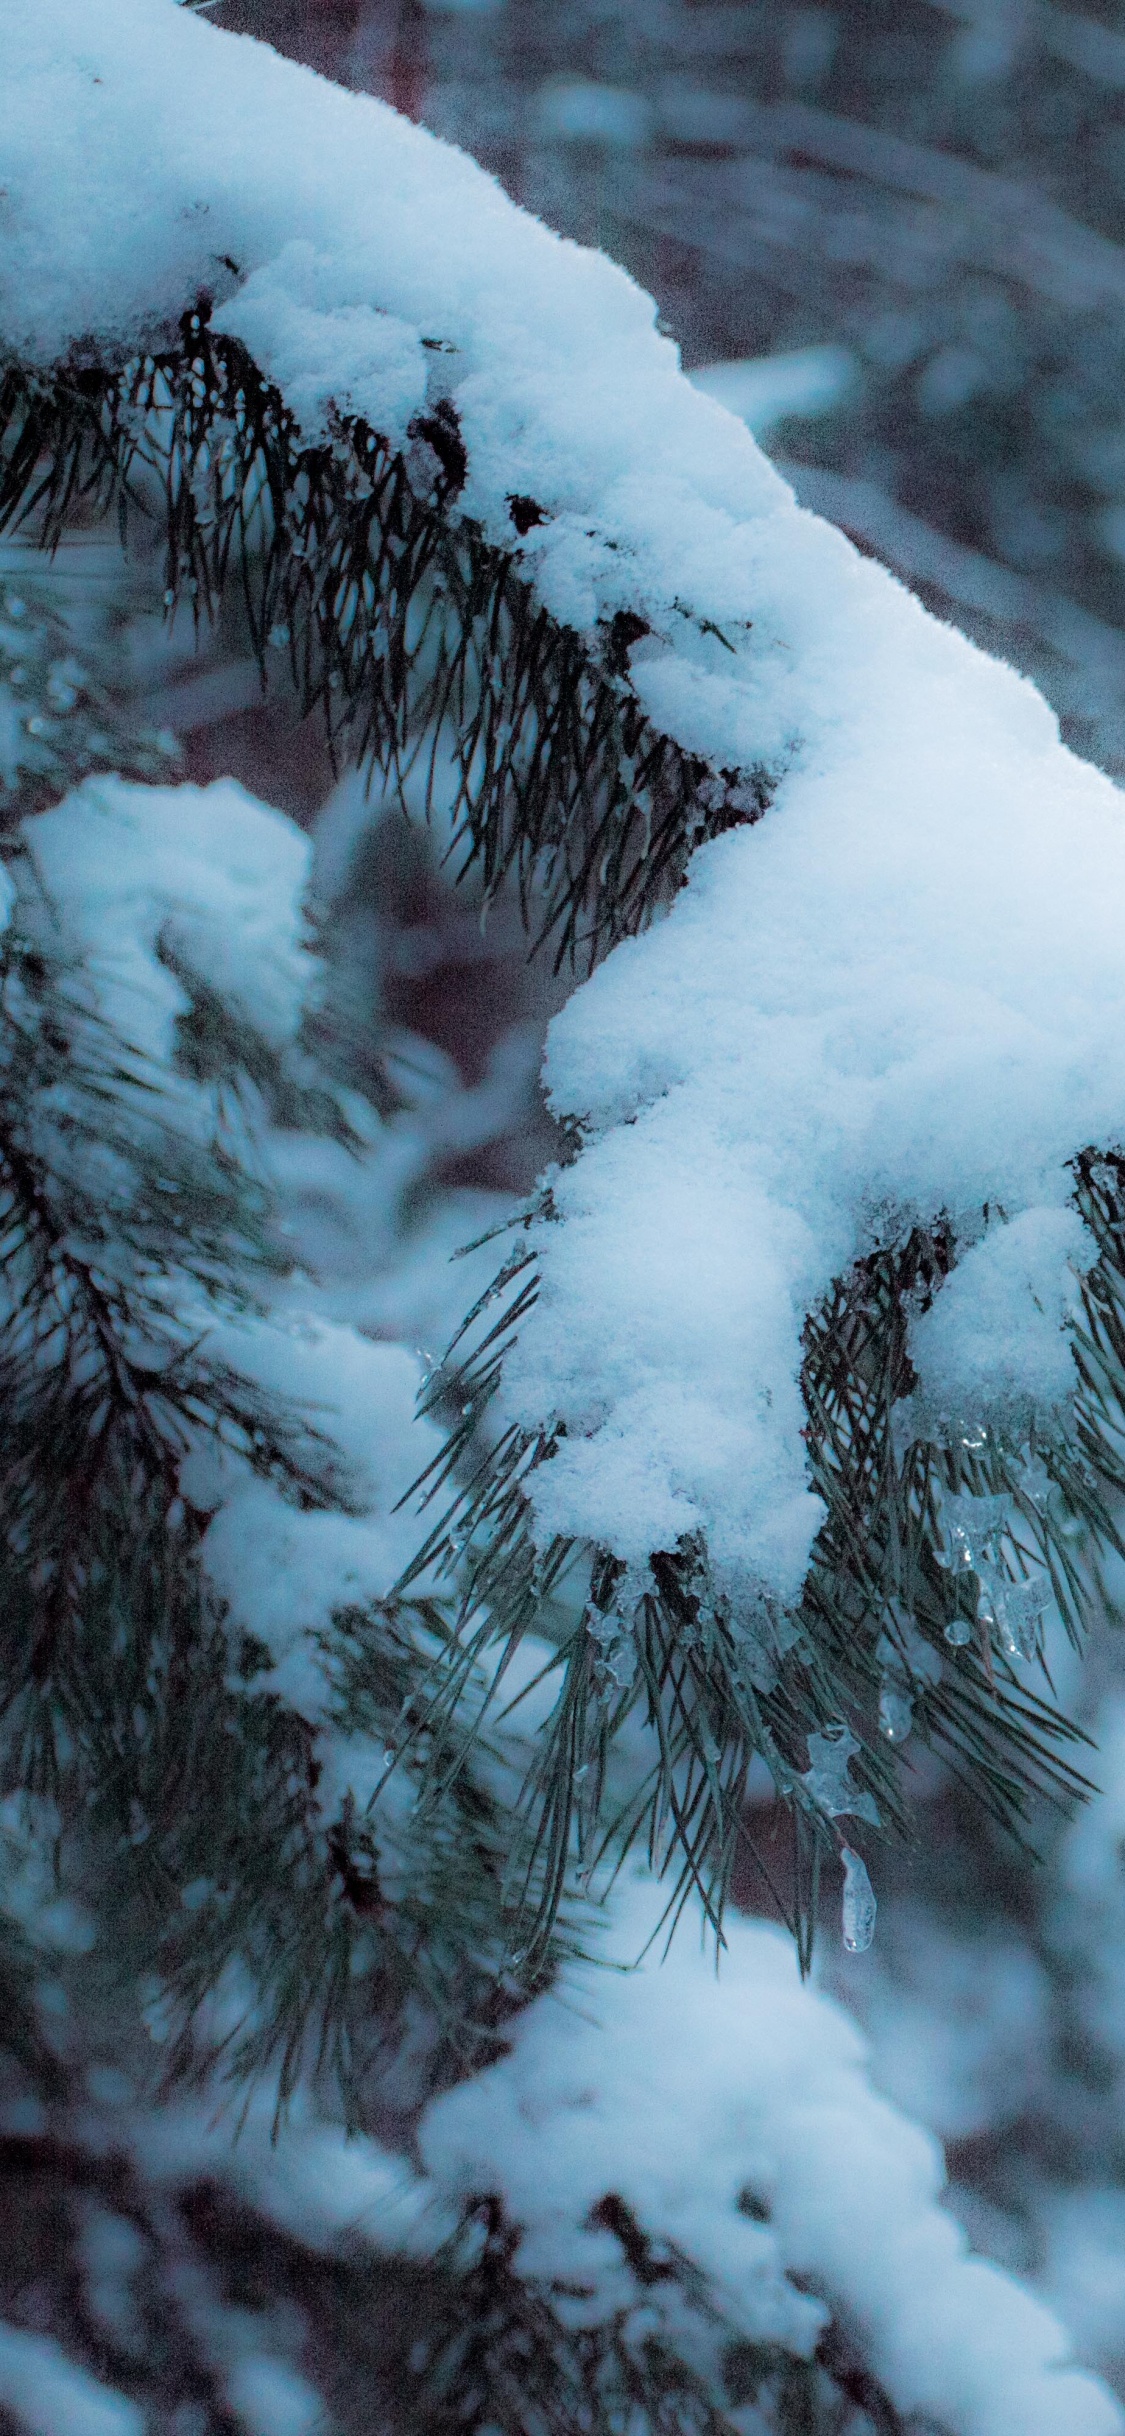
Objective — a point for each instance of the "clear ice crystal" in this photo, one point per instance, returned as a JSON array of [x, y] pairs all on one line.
[[958, 1631], [761, 1634], [611, 1631], [970, 1523], [859, 1906], [827, 1780], [1014, 1609]]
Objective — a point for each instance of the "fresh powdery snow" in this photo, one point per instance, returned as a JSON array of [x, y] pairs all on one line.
[[901, 992], [731, 2112], [147, 878]]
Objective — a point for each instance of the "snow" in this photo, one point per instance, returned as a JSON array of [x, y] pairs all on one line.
[[270, 2399], [306, 2175], [51, 2396], [900, 993], [997, 1333], [205, 874], [732, 2113], [682, 2089], [217, 880], [282, 1571]]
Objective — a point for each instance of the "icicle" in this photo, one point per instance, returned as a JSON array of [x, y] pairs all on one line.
[[859, 1905], [827, 1777], [1027, 1604]]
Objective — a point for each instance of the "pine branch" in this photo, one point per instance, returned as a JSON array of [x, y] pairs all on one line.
[[411, 633], [888, 1603], [417, 639], [498, 2352], [63, 719]]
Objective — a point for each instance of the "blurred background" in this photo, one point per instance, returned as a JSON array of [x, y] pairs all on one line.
[[891, 235]]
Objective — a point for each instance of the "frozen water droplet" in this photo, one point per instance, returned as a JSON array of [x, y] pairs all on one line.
[[970, 1523], [958, 1631], [896, 1714], [859, 1905], [1036, 1483], [1013, 1609], [1027, 1604], [828, 1781]]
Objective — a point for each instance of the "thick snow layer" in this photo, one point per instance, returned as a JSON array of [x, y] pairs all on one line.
[[732, 2113], [685, 2092], [901, 993]]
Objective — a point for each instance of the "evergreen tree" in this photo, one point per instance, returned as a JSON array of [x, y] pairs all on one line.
[[333, 1798]]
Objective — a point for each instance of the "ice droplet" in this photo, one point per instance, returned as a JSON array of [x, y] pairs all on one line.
[[859, 1905], [896, 1714], [958, 1631]]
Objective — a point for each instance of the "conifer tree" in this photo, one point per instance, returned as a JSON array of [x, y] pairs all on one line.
[[344, 1731]]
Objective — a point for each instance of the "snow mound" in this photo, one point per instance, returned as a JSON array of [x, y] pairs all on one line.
[[145, 879], [732, 2114]]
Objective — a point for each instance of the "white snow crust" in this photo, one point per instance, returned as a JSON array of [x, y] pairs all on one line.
[[900, 993]]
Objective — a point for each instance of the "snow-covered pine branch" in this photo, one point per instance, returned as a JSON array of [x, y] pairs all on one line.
[[486, 511], [795, 1323]]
